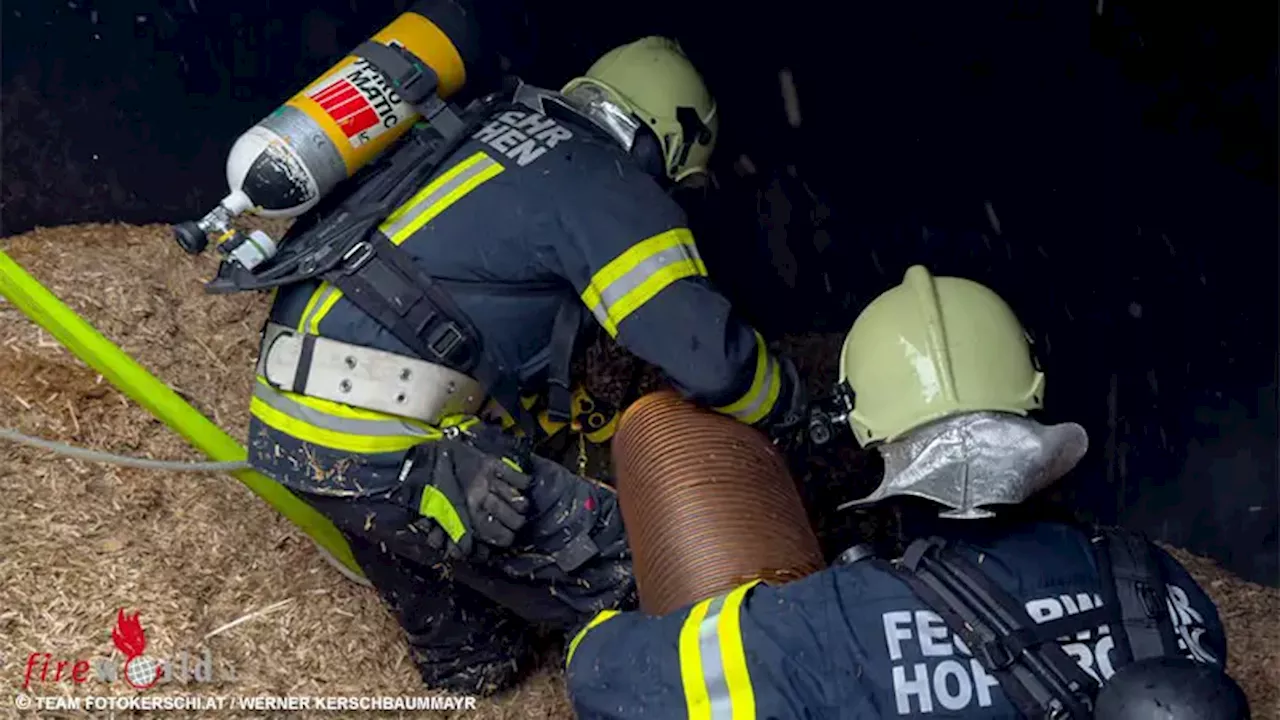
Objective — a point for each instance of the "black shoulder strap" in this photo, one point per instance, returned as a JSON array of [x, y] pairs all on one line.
[[1041, 680], [1133, 584], [382, 280]]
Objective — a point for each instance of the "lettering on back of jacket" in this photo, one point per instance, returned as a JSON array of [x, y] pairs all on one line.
[[522, 136], [934, 671]]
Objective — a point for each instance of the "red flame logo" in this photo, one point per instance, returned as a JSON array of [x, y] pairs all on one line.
[[128, 635], [131, 640]]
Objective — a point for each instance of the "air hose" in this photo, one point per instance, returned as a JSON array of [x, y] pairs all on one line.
[[123, 460]]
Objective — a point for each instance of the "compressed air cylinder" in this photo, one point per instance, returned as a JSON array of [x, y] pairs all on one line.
[[282, 166], [708, 504]]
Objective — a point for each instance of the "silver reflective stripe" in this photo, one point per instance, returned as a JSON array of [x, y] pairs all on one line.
[[759, 391], [636, 276], [314, 311], [713, 663], [350, 426], [393, 229]]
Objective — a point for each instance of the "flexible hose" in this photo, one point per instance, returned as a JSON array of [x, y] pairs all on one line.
[[109, 458]]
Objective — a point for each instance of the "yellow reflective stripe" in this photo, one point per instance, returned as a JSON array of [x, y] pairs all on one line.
[[742, 696], [318, 305], [336, 426], [324, 437], [407, 219], [713, 662], [436, 197], [573, 644], [695, 686], [758, 401], [329, 296], [633, 278], [436, 506]]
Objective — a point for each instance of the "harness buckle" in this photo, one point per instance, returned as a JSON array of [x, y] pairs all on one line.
[[993, 654], [361, 251], [448, 337]]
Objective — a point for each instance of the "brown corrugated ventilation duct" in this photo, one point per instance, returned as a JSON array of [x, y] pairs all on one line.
[[708, 504]]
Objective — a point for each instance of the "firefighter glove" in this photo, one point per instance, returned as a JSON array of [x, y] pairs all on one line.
[[470, 500]]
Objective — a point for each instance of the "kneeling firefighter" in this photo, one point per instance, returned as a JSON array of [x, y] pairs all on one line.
[[457, 271], [990, 612]]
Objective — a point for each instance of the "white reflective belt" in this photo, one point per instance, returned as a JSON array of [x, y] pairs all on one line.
[[365, 378]]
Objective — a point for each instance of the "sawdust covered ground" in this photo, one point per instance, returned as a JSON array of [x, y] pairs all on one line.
[[192, 553], [195, 553]]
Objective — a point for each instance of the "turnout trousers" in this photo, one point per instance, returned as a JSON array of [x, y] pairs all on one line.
[[468, 622]]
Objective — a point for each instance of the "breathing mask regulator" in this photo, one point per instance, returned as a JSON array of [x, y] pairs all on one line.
[[829, 417]]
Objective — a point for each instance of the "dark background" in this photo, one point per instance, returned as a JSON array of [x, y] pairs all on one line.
[[1109, 167]]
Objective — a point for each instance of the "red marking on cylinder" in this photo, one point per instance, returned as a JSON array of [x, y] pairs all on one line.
[[347, 106]]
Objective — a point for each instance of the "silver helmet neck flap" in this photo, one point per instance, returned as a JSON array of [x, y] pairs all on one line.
[[969, 461]]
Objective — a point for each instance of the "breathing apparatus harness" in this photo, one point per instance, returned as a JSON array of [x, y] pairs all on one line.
[[1039, 677], [338, 241]]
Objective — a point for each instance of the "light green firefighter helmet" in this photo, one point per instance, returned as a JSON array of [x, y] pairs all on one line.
[[931, 348]]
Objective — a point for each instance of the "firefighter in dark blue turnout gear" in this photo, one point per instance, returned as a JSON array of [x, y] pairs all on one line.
[[553, 210], [984, 616]]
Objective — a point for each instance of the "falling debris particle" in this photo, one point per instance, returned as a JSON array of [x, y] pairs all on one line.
[[95, 156], [1168, 244], [876, 261], [192, 4], [991, 216], [790, 99], [140, 18], [1099, 7], [1135, 310], [93, 16]]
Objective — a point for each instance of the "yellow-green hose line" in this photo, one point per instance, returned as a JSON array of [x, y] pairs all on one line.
[[44, 308]]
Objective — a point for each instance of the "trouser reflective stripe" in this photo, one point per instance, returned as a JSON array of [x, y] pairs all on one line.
[[417, 211], [333, 425], [573, 644], [756, 404], [637, 275], [713, 663]]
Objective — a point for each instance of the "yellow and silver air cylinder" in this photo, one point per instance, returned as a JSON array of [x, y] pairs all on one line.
[[284, 165]]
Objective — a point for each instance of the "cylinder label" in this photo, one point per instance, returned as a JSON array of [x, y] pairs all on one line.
[[359, 100]]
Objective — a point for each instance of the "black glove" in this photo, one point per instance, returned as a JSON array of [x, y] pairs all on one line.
[[793, 403], [468, 496]]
